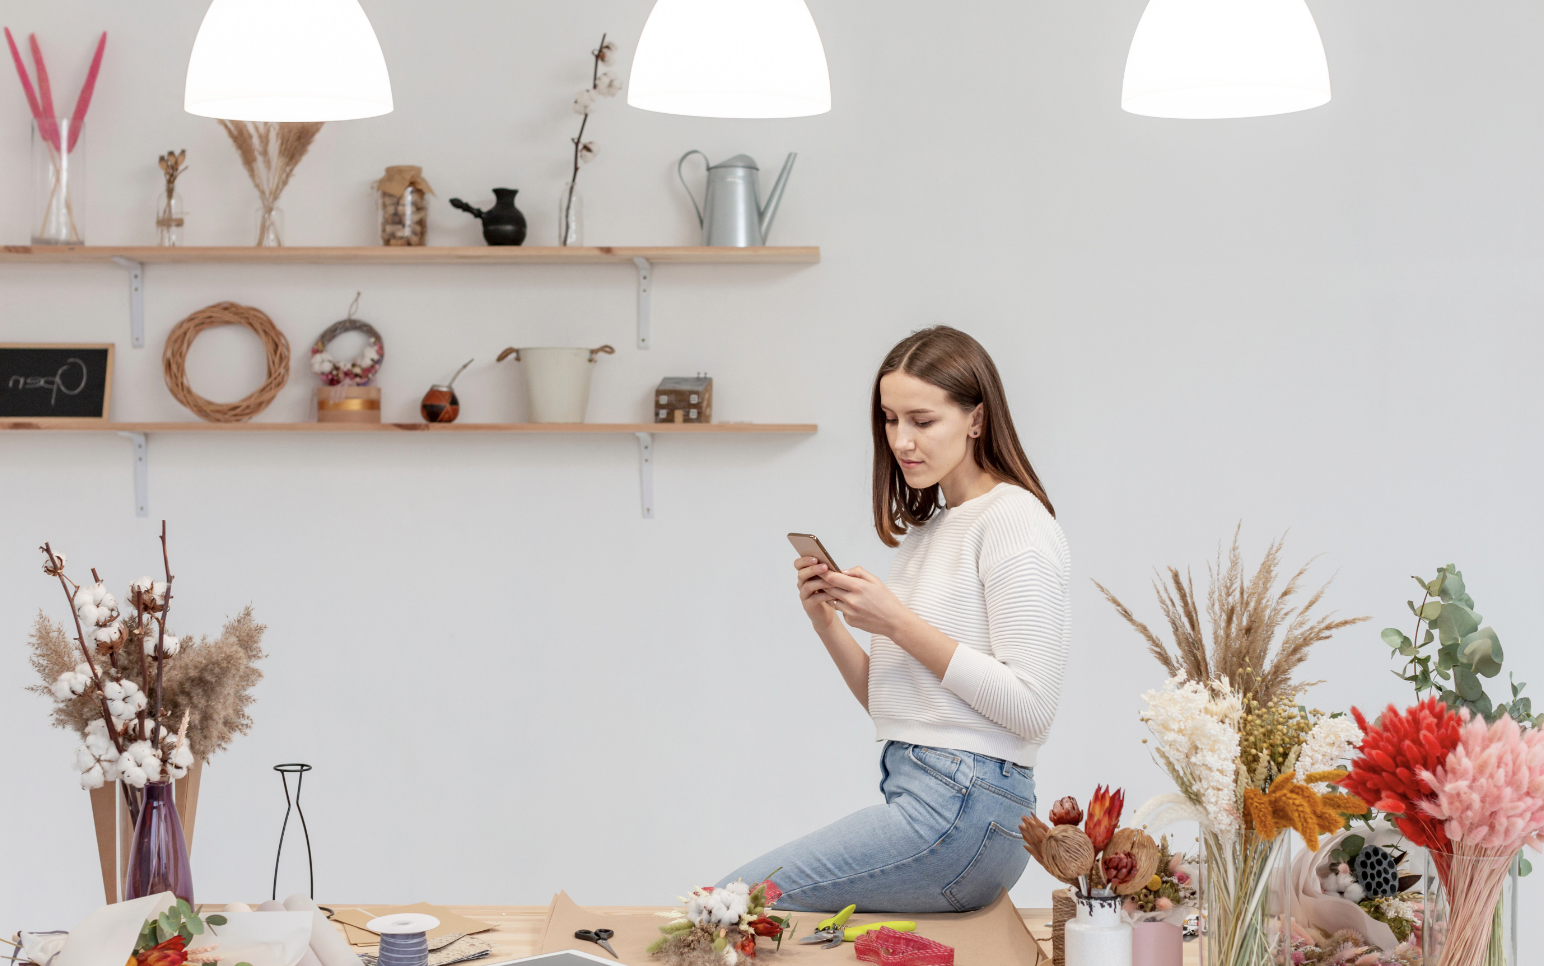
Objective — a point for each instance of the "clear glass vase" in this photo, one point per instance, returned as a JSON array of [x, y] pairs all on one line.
[[58, 181], [1244, 899], [1470, 910], [170, 217], [570, 216], [270, 226], [158, 857]]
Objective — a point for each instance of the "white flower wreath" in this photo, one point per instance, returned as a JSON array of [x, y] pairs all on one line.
[[365, 365]]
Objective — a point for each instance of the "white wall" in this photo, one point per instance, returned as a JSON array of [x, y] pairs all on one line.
[[511, 684]]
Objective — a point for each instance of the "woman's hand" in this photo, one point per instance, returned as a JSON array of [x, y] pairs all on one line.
[[864, 601], [812, 592]]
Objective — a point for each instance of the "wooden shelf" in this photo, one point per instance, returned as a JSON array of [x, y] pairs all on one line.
[[424, 255], [134, 259], [686, 429], [139, 433]]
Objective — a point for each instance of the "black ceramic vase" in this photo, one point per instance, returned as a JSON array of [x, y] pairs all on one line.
[[503, 224]]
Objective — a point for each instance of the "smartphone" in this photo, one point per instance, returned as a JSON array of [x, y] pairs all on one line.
[[809, 545]]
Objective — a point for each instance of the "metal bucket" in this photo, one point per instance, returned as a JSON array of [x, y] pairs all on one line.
[[557, 381]]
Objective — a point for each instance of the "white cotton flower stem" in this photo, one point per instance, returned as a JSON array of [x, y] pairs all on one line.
[[80, 637], [160, 641], [568, 202]]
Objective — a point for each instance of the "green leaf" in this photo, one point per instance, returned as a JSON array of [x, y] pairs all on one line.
[[1481, 650], [1394, 637], [1431, 610], [1447, 656], [196, 924], [1431, 635], [1467, 684], [1451, 699], [1454, 622], [1523, 865], [216, 920], [184, 908], [1353, 844]]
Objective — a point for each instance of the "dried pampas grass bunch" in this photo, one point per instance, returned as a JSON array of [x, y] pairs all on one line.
[[270, 153], [1246, 617], [211, 680]]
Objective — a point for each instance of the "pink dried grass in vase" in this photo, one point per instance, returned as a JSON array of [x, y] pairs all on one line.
[[1489, 795]]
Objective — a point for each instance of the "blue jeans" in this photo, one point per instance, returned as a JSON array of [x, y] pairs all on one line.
[[945, 840]]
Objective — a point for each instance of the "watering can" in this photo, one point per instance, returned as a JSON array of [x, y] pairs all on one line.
[[731, 213]]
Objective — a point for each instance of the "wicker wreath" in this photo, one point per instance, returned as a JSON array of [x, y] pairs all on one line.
[[365, 365], [174, 361]]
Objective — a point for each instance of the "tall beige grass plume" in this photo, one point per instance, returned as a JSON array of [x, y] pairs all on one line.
[[1247, 617]]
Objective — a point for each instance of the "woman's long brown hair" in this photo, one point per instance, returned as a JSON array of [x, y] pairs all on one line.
[[957, 364]]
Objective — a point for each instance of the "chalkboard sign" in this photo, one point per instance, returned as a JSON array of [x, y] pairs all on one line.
[[55, 381]]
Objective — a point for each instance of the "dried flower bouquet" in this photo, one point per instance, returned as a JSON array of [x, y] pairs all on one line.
[[1248, 763], [147, 704], [270, 153], [719, 927]]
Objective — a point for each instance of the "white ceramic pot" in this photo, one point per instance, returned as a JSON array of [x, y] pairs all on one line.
[[1098, 936], [557, 381]]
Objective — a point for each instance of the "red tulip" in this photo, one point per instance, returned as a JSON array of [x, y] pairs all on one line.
[[1103, 816]]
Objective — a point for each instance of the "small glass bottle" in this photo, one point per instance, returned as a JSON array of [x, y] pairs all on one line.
[[570, 216], [270, 226], [170, 217]]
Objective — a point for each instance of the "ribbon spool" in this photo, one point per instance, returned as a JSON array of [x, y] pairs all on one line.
[[404, 938]]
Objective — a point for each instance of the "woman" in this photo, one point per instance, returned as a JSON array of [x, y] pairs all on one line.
[[966, 651]]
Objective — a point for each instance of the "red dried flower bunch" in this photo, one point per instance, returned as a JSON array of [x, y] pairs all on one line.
[[1066, 811], [1103, 815], [1394, 753]]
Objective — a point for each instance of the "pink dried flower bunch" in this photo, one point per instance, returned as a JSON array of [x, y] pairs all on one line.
[[1490, 791]]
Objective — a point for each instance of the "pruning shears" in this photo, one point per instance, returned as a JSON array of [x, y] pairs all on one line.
[[830, 934]]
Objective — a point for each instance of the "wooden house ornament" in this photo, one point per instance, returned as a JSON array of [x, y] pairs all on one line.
[[684, 399]]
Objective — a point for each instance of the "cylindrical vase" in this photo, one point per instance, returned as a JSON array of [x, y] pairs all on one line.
[[348, 404], [1098, 936], [1157, 944]]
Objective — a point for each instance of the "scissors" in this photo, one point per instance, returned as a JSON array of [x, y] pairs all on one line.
[[831, 934], [598, 937]]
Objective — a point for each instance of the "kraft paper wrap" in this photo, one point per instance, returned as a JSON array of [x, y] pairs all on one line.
[[400, 177], [994, 936]]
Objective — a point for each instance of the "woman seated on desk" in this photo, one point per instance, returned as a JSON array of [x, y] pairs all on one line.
[[967, 646]]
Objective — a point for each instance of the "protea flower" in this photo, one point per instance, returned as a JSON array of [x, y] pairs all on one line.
[[1119, 868], [1066, 811], [1103, 815]]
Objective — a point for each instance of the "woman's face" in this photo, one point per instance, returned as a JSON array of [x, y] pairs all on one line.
[[929, 433]]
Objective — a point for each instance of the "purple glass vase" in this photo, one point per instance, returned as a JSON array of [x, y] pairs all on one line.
[[158, 858]]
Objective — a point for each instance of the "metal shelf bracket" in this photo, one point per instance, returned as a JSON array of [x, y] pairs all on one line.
[[646, 472], [645, 310], [136, 301], [141, 473]]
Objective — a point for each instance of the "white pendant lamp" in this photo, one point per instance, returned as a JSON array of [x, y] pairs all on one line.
[[287, 60], [1225, 58], [730, 58]]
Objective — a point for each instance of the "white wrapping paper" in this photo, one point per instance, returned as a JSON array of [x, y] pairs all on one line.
[[1310, 906]]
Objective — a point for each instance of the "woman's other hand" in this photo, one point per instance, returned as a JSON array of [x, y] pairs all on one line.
[[864, 601], [812, 591]]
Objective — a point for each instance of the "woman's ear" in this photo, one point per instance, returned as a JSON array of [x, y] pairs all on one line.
[[977, 420]]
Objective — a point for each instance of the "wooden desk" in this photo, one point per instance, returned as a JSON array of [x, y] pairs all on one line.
[[517, 929]]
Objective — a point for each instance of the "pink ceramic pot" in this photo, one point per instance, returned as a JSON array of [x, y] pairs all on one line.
[[1157, 944]]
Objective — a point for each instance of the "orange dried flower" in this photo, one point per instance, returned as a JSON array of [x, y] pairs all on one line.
[[1103, 815]]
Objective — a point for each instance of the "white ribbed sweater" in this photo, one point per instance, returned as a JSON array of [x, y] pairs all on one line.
[[992, 573]]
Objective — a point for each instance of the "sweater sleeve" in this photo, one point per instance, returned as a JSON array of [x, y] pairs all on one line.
[[1017, 685]]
